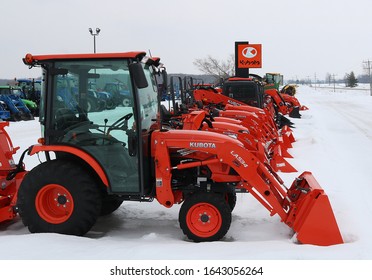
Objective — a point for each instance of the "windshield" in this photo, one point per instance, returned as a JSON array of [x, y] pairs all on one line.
[[248, 92], [101, 92], [98, 91]]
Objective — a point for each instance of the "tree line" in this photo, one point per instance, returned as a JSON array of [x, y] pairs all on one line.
[[222, 69]]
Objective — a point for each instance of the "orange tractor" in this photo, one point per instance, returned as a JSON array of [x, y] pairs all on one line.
[[272, 83], [252, 111], [96, 160], [210, 111]]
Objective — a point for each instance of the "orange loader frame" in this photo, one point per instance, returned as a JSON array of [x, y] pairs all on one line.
[[11, 176], [304, 206]]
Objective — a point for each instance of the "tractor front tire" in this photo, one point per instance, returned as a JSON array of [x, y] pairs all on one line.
[[59, 196], [205, 217], [231, 200]]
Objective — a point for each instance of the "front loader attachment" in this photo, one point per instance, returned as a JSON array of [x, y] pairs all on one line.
[[311, 215], [295, 113], [278, 163], [304, 207]]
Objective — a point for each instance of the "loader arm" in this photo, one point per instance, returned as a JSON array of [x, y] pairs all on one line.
[[225, 150], [258, 178], [211, 96]]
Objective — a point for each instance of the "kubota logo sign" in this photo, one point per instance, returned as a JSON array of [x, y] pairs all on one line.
[[249, 52], [249, 56]]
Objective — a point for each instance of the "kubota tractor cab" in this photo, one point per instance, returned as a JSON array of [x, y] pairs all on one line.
[[96, 160], [106, 142], [247, 90]]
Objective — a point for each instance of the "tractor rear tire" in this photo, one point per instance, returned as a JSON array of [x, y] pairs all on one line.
[[205, 217], [59, 196]]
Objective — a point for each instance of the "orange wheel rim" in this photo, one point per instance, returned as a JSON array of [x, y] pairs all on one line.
[[204, 220], [54, 204]]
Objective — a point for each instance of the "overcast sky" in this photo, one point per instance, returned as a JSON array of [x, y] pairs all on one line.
[[300, 39]]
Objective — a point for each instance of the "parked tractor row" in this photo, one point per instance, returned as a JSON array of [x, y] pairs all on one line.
[[21, 101], [198, 153], [13, 105]]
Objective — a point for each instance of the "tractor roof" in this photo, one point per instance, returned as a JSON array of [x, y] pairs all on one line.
[[31, 60], [240, 79]]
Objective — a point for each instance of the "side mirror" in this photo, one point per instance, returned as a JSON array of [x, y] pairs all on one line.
[[138, 75]]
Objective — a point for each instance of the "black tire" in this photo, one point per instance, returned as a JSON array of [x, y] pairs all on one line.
[[231, 200], [205, 217], [110, 204], [110, 104], [59, 196], [16, 117]]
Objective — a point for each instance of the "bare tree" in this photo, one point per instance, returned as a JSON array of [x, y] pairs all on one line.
[[215, 67]]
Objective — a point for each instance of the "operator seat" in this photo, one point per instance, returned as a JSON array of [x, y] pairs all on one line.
[[64, 118]]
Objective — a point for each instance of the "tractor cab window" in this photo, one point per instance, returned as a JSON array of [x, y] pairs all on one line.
[[93, 108], [148, 101], [247, 92]]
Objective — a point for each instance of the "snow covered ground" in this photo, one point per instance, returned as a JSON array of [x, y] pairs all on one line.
[[333, 141]]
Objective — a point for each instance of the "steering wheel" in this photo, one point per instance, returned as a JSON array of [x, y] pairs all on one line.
[[120, 123]]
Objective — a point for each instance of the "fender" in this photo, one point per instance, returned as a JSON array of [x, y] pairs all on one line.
[[76, 152]]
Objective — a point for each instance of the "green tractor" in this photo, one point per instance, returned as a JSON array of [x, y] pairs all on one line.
[[273, 80]]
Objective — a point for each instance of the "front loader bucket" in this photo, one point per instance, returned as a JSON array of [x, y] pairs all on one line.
[[295, 113], [311, 215], [278, 163], [283, 121], [287, 132], [303, 108]]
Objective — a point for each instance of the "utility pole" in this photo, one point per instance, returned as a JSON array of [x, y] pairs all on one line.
[[334, 82], [367, 66]]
